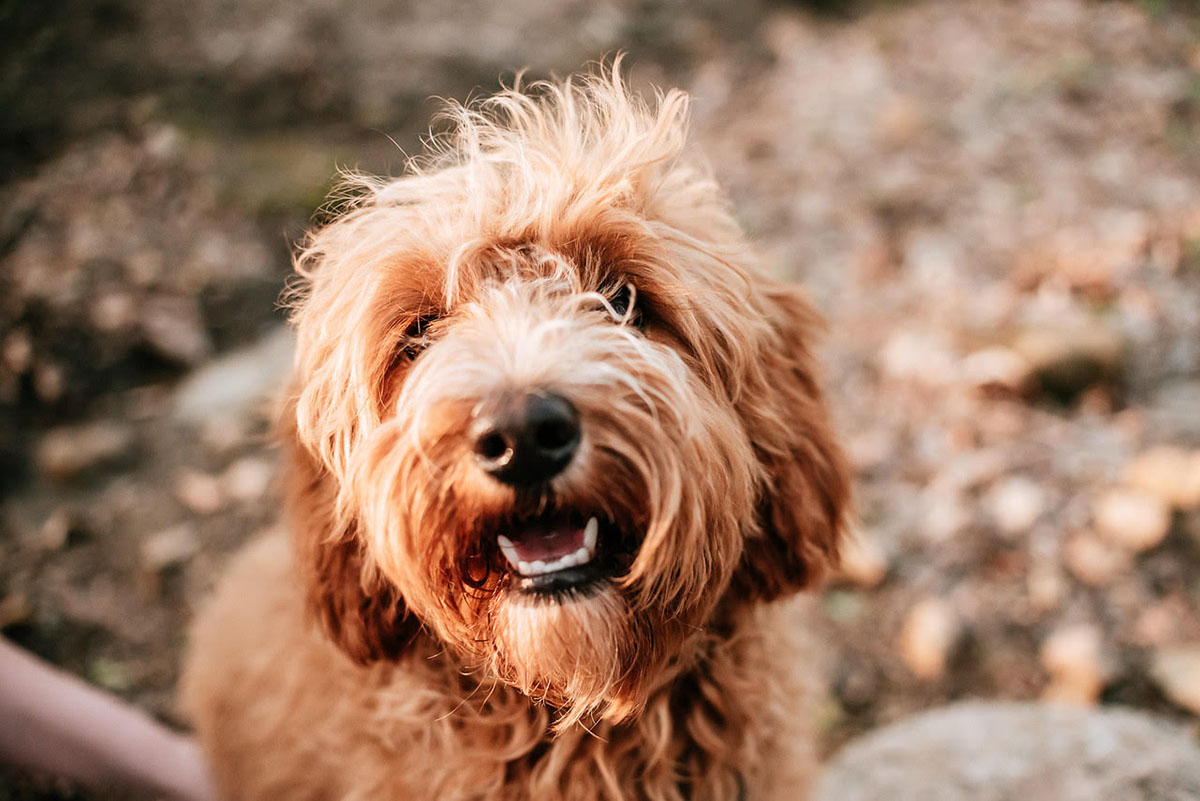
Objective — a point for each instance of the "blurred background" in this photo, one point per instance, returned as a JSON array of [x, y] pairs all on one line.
[[996, 203]]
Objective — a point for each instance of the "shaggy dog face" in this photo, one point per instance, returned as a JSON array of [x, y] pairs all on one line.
[[548, 410]]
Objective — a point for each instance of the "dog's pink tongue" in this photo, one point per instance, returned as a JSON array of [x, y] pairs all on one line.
[[546, 543]]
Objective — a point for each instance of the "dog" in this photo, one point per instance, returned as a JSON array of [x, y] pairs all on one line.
[[557, 459]]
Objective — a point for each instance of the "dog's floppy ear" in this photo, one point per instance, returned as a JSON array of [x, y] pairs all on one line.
[[806, 490], [360, 610]]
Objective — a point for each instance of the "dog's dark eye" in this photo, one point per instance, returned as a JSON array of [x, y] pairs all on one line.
[[622, 300], [416, 336]]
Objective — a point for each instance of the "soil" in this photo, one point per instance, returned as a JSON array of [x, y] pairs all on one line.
[[996, 204]]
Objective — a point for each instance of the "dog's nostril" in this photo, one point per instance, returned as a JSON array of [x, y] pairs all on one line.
[[493, 447], [530, 440], [551, 435]]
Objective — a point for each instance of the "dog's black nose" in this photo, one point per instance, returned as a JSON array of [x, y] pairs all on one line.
[[528, 440]]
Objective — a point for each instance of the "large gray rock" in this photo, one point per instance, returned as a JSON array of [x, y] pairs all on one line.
[[1018, 752]]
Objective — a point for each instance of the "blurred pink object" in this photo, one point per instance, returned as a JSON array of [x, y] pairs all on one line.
[[52, 722]]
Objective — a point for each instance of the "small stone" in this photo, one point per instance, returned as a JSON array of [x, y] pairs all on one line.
[[14, 608], [1160, 624], [1072, 658], [928, 634], [1015, 504], [863, 560], [199, 492], [1177, 671], [945, 516], [55, 532], [220, 435], [110, 674], [64, 453], [1045, 585], [919, 357], [899, 121], [1132, 519], [48, 382], [17, 352], [1170, 474], [870, 448], [247, 479], [997, 370], [169, 548], [843, 606], [174, 327], [1093, 561], [114, 311]]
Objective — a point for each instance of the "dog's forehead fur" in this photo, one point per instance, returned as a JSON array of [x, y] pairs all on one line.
[[581, 180]]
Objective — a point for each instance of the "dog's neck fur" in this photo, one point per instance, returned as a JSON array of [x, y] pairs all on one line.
[[692, 740]]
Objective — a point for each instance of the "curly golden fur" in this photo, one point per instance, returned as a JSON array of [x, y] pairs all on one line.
[[561, 241]]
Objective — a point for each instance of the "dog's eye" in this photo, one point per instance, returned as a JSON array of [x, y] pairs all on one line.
[[622, 301], [416, 336]]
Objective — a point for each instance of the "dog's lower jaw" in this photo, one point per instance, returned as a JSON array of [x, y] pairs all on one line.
[[284, 714]]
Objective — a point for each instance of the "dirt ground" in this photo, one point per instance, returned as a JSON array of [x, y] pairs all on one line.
[[996, 203]]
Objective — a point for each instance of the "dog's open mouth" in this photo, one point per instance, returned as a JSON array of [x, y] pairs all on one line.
[[539, 548], [547, 555]]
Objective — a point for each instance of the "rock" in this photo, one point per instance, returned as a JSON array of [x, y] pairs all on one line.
[[1093, 561], [1015, 504], [199, 492], [1170, 474], [247, 479], [232, 385], [863, 560], [64, 453], [928, 634], [1071, 656], [1177, 671], [1132, 519], [169, 548], [1018, 752]]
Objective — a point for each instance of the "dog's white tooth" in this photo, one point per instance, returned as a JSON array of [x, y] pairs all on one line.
[[510, 553], [538, 567], [582, 556], [590, 532], [524, 568], [504, 541]]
